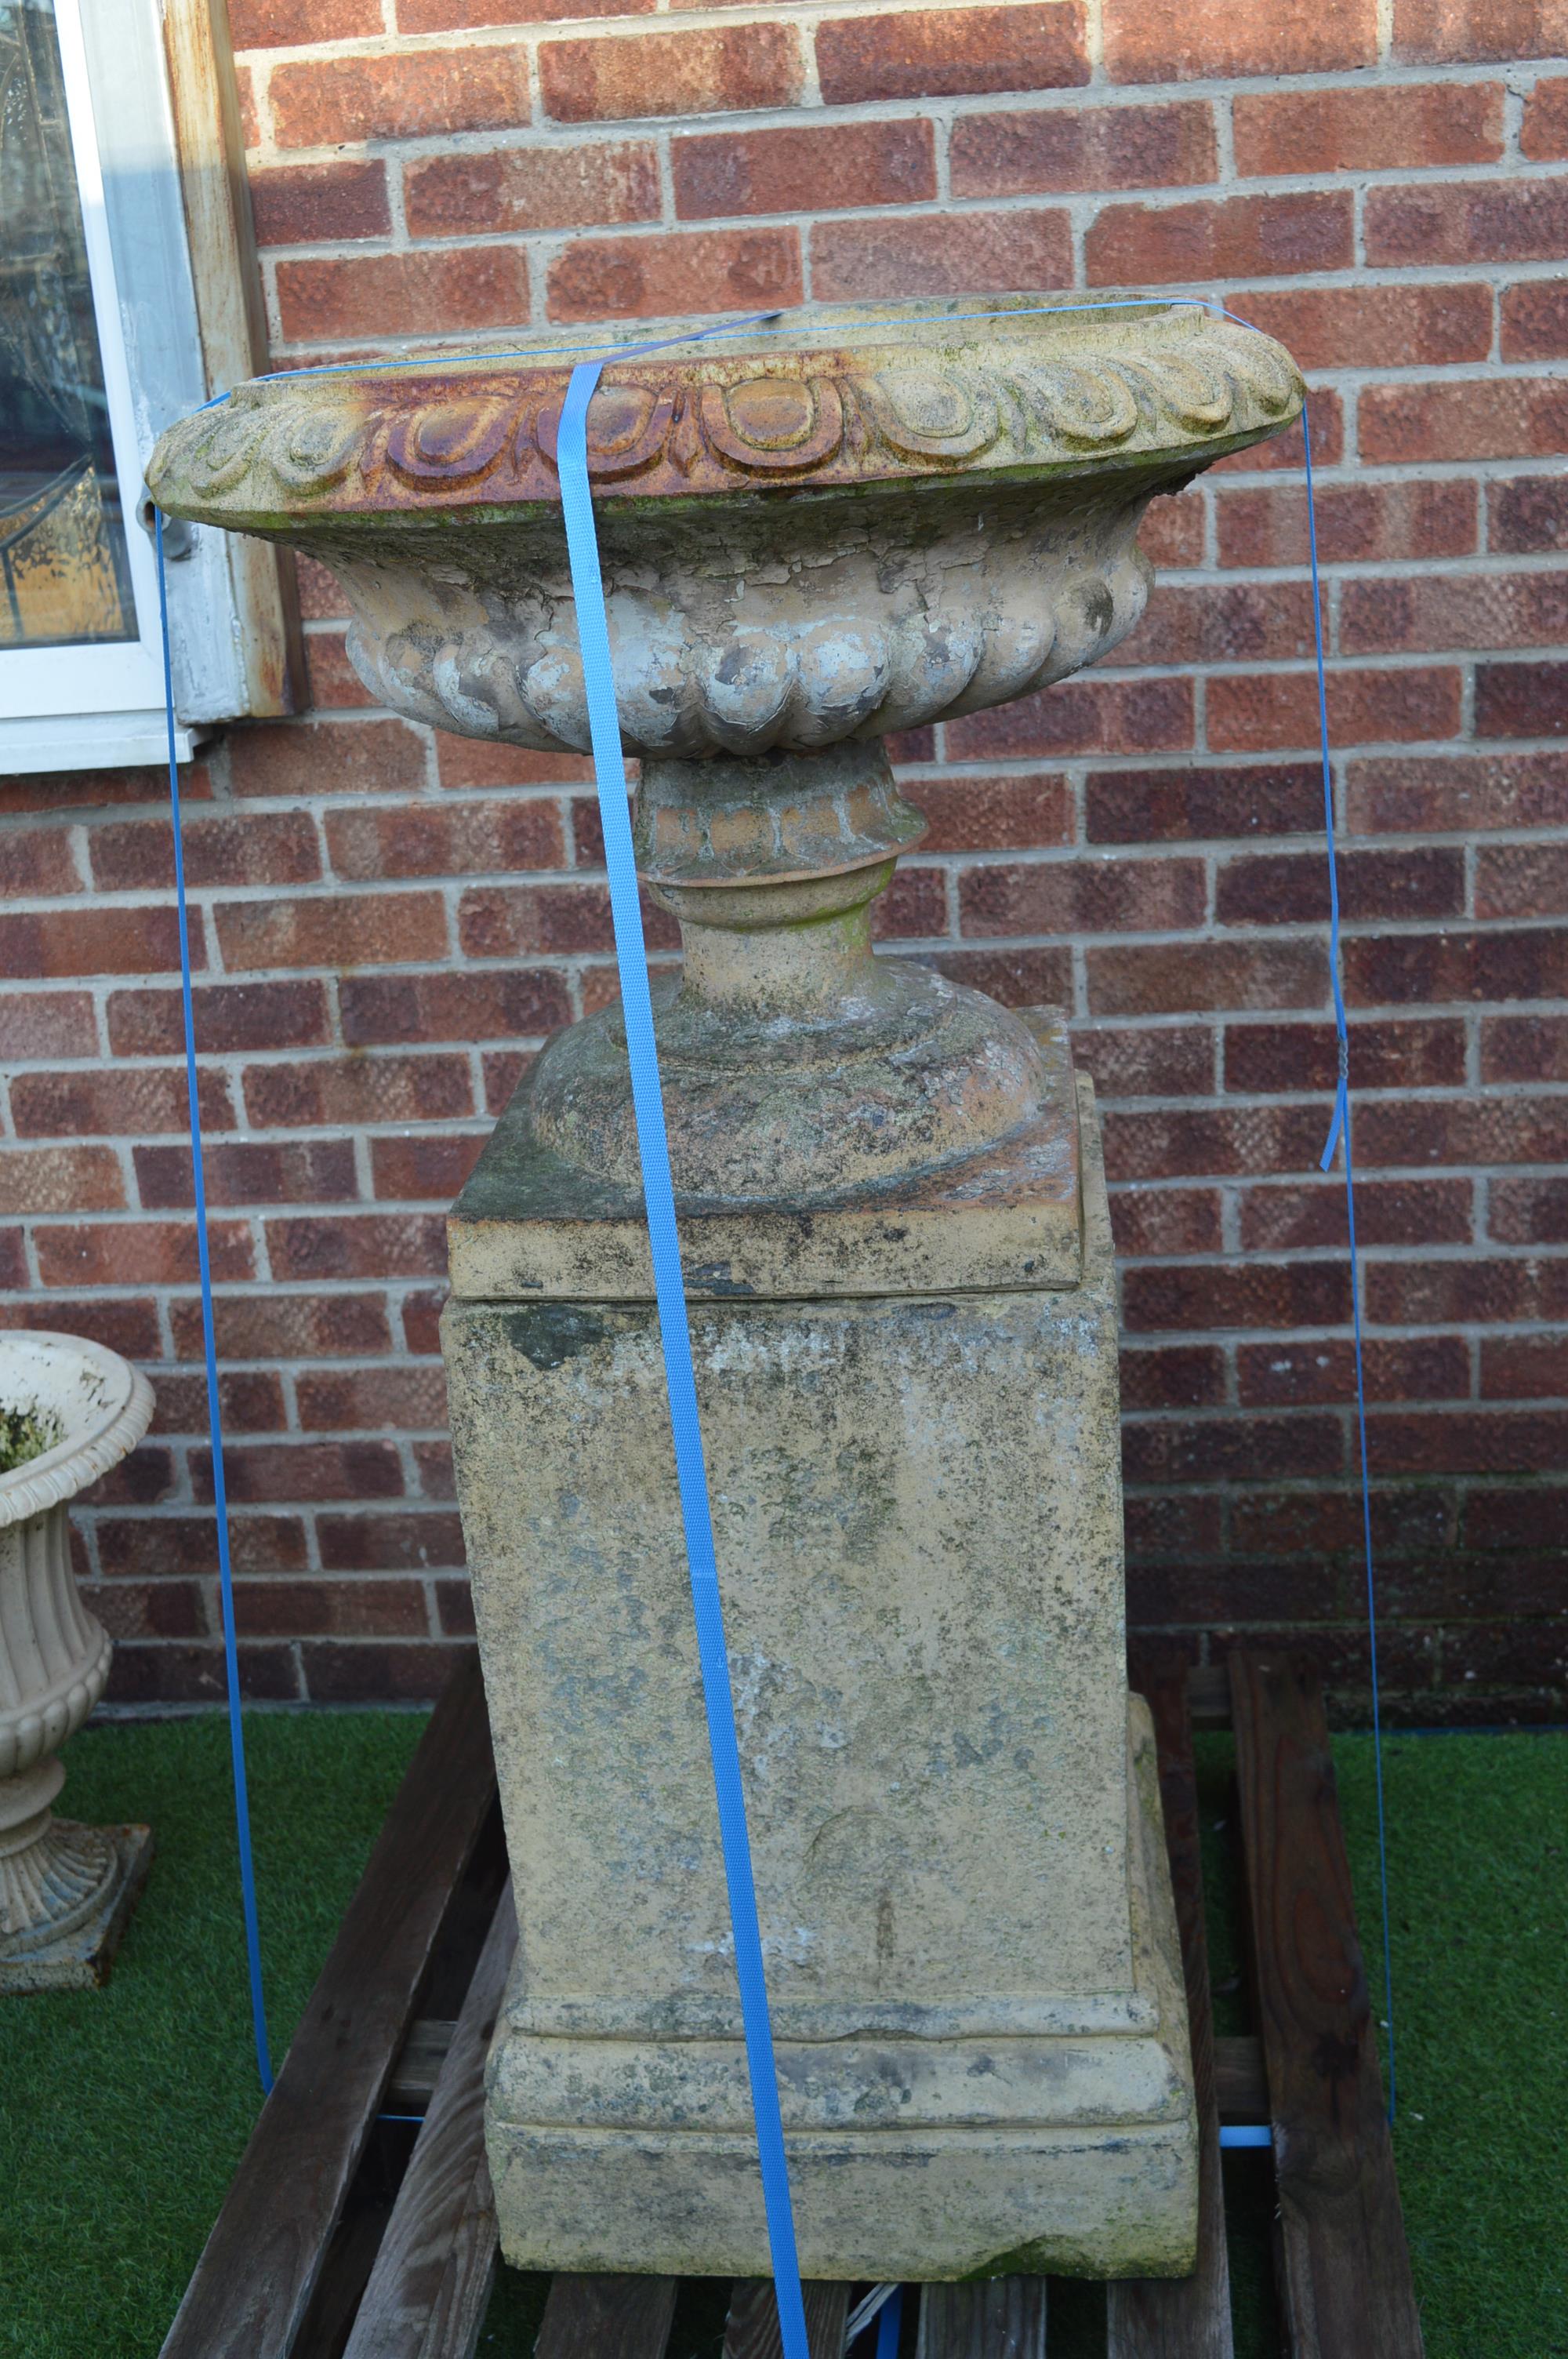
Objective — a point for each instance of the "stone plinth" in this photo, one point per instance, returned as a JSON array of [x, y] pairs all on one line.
[[965, 1912], [813, 532]]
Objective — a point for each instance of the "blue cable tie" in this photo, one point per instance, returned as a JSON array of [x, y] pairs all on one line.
[[209, 1349], [675, 1335]]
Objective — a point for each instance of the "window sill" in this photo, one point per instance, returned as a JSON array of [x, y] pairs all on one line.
[[93, 741]]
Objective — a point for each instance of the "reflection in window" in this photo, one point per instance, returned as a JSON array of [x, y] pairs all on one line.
[[63, 573]]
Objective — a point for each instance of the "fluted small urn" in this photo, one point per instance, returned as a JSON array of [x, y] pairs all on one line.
[[65, 1889], [900, 1290]]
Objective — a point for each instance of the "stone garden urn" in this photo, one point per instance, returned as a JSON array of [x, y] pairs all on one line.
[[68, 1411], [899, 1271]]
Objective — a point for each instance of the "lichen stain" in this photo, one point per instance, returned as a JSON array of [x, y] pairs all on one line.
[[550, 1333]]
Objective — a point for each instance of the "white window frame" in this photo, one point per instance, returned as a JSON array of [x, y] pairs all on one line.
[[97, 705]]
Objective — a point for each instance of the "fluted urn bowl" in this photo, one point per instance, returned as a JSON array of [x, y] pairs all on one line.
[[813, 532]]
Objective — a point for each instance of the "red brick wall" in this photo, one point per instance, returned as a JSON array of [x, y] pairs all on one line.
[[389, 923]]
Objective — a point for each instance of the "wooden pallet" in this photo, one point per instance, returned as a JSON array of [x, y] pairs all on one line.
[[351, 2234]]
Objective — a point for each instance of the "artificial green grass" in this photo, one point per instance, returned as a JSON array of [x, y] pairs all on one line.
[[123, 2112], [1478, 1877], [1478, 1839]]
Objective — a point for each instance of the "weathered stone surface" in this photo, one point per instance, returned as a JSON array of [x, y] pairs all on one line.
[[798, 1071], [918, 1503], [529, 1222], [813, 531], [1070, 2151]]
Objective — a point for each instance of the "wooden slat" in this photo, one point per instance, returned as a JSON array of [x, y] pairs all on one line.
[[751, 2330], [354, 2242], [1183, 2318], [1347, 2287], [1240, 2083], [1001, 2318], [420, 2063], [607, 2318], [1208, 1696], [254, 2282], [428, 2291]]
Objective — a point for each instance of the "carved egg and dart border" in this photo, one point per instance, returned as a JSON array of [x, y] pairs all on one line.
[[799, 548]]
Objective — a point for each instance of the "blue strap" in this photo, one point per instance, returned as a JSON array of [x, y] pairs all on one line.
[[669, 1286], [209, 1349], [1339, 1134], [1246, 2134]]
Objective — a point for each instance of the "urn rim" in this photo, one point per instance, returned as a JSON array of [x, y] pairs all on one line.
[[822, 400], [113, 1406]]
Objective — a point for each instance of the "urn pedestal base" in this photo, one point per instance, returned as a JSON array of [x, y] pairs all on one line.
[[966, 1909], [77, 1952]]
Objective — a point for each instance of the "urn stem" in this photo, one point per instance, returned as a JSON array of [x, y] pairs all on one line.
[[791, 961]]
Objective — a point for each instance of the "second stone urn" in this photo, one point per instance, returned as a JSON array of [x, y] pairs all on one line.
[[65, 1889], [899, 1268]]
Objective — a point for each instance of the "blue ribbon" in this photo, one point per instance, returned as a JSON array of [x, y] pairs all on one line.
[[209, 1351], [1339, 1134], [675, 1335]]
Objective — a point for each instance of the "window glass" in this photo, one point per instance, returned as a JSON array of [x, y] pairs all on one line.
[[64, 577]]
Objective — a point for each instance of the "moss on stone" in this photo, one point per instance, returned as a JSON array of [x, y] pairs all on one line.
[[26, 1434]]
